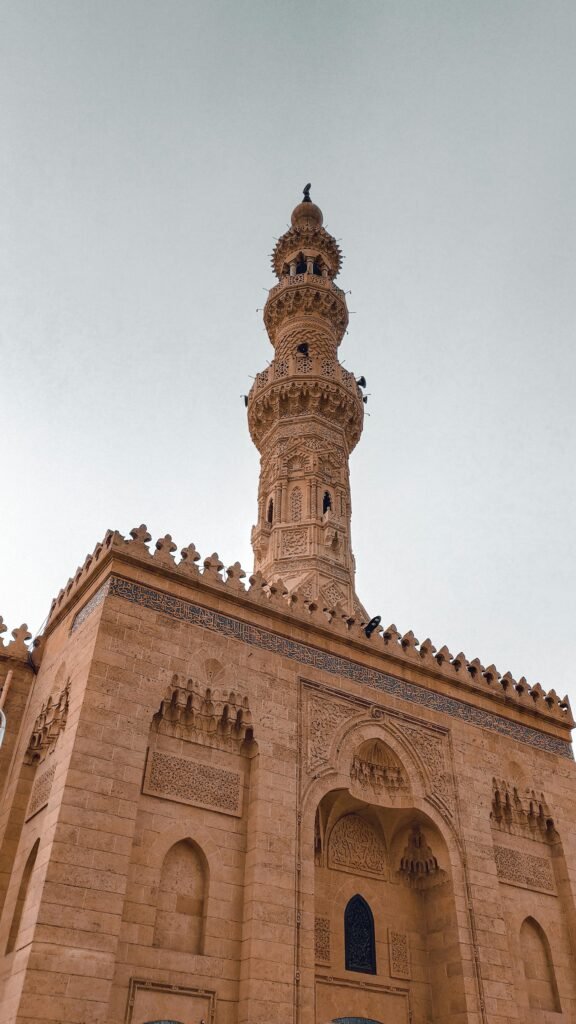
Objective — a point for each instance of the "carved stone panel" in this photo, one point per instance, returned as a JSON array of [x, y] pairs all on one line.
[[322, 939], [324, 717], [294, 542], [190, 782], [399, 950], [515, 867], [431, 749], [40, 791], [356, 846]]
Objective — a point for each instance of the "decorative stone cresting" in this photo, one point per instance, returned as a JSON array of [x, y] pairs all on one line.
[[51, 721], [471, 675], [202, 715], [418, 865], [17, 647]]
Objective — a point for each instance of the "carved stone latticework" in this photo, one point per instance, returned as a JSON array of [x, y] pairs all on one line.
[[40, 791], [356, 845], [527, 870], [201, 715], [305, 414], [50, 722], [190, 782], [322, 939], [399, 952]]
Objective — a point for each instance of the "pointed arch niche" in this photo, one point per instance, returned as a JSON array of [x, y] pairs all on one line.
[[384, 899], [180, 913], [539, 976]]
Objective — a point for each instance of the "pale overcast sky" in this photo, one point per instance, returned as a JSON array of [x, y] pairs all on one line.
[[149, 154]]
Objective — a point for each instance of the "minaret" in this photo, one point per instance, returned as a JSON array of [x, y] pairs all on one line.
[[305, 414]]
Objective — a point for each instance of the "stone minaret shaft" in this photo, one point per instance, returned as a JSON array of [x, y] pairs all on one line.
[[305, 414]]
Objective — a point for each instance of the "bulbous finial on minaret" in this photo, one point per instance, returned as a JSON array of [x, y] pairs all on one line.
[[307, 216]]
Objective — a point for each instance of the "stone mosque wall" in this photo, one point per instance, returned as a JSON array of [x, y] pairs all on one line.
[[241, 801], [226, 812]]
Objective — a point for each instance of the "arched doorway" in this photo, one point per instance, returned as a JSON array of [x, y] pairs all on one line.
[[379, 853]]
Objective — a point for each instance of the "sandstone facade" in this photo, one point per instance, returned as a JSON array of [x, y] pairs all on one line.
[[228, 801]]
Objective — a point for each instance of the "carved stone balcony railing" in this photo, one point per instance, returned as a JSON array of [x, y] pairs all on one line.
[[305, 366], [315, 279]]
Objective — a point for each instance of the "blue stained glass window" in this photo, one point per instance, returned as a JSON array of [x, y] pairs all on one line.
[[359, 942]]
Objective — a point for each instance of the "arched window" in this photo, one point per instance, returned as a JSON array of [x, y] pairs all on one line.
[[181, 895], [326, 501], [22, 896], [270, 512], [359, 943], [538, 968]]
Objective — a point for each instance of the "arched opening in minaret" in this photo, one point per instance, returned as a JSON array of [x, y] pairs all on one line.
[[301, 266], [326, 501], [270, 511]]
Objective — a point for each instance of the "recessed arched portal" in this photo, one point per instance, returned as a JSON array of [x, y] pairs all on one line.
[[382, 877]]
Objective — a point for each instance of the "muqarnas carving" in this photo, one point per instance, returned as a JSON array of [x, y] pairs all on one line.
[[521, 813], [418, 866], [198, 714], [50, 722], [375, 767], [355, 845]]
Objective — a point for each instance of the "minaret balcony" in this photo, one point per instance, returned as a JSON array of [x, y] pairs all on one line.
[[299, 386], [305, 366], [303, 296], [317, 281]]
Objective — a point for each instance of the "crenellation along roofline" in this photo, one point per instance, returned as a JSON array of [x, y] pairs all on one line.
[[269, 606]]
